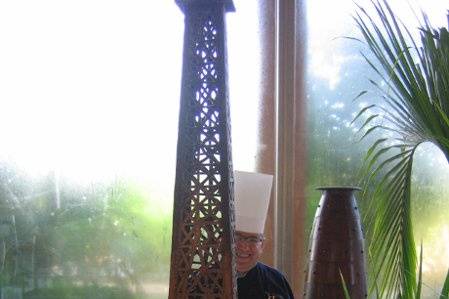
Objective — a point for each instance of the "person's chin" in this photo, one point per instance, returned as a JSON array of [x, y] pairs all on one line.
[[244, 264]]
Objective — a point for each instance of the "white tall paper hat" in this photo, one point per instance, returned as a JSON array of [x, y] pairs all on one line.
[[252, 195]]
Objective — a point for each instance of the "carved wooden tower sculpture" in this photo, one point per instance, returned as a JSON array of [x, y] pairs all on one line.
[[203, 217]]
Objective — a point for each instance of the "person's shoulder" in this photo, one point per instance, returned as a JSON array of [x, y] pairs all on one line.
[[269, 270], [275, 281]]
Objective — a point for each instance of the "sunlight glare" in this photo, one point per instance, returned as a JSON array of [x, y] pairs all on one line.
[[327, 20], [87, 86]]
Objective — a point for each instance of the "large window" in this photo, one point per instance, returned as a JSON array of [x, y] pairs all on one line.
[[89, 99], [336, 74], [89, 95]]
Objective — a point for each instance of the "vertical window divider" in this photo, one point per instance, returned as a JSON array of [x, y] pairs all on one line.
[[290, 158]]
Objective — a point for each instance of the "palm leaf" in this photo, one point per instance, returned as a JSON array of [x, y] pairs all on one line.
[[359, 95], [345, 288], [445, 290], [416, 93], [418, 291], [361, 112]]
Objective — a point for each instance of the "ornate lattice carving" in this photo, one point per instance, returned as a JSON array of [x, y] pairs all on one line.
[[203, 220]]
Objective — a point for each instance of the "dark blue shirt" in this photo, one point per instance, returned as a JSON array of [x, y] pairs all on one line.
[[261, 282]]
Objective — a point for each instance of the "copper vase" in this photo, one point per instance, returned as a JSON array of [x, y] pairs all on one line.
[[336, 247]]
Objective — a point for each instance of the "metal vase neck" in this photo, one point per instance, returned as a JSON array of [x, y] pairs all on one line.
[[339, 188]]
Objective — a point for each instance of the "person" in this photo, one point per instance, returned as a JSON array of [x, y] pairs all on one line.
[[255, 280]]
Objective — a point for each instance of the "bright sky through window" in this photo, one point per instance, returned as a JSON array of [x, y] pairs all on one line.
[[328, 19], [91, 88]]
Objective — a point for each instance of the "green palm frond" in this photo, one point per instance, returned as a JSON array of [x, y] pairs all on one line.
[[345, 288], [414, 109], [445, 290], [418, 291]]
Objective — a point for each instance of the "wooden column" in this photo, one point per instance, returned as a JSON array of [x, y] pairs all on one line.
[[202, 263], [266, 147], [291, 148]]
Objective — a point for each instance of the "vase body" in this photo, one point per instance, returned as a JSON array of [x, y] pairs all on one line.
[[336, 247]]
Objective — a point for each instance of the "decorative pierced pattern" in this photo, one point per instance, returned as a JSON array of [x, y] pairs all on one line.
[[202, 246]]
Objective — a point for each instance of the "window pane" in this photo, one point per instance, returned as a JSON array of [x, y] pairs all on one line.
[[336, 74], [89, 97], [89, 94], [244, 38]]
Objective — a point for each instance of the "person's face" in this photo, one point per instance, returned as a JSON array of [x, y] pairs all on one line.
[[248, 248]]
